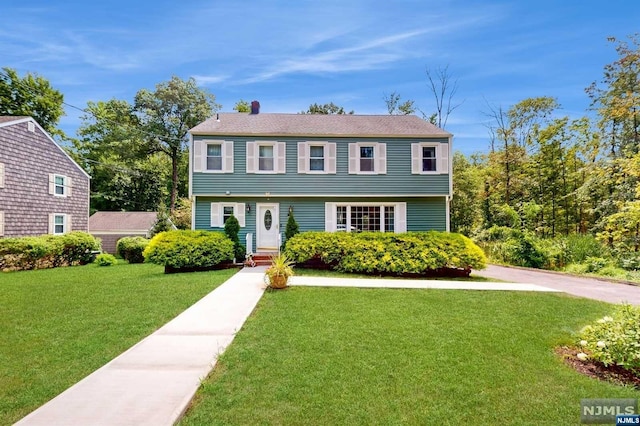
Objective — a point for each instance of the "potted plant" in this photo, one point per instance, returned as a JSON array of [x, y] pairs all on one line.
[[278, 273]]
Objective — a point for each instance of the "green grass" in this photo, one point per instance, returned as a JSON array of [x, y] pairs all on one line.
[[315, 356], [59, 325], [309, 272]]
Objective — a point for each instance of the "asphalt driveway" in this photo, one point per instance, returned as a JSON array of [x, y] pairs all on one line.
[[584, 287]]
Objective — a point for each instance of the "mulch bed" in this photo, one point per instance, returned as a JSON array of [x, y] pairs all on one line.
[[595, 369]]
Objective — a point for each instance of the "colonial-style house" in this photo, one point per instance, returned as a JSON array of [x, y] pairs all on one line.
[[42, 190], [351, 173]]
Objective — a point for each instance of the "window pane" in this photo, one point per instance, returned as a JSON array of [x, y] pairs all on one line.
[[341, 218], [365, 218], [265, 151], [227, 211], [316, 152], [265, 164], [59, 220], [214, 163], [389, 219], [59, 180], [214, 150], [366, 165], [316, 164], [59, 229]]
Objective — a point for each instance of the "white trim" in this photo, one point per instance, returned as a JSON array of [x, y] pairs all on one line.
[[416, 158], [66, 222], [1, 175], [226, 155], [330, 217], [191, 159], [329, 157], [399, 214], [194, 202], [450, 147], [1, 223], [379, 158], [217, 213], [66, 185], [447, 209]]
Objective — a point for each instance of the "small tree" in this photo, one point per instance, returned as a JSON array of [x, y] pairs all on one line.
[[162, 221], [232, 229], [292, 228]]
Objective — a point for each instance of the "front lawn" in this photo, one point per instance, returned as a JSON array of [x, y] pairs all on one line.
[[314, 356], [59, 325]]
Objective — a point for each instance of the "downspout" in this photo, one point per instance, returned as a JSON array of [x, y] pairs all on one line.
[[192, 199], [449, 197]]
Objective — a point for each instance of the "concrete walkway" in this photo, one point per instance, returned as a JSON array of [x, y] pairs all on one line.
[[153, 382]]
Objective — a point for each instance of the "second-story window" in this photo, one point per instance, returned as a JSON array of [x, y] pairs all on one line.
[[265, 158], [316, 158], [214, 156], [59, 185], [367, 158], [429, 159]]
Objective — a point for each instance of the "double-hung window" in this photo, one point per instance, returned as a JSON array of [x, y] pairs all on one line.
[[268, 157], [368, 158], [316, 158], [429, 158], [59, 185], [214, 156], [221, 212], [265, 158], [59, 223]]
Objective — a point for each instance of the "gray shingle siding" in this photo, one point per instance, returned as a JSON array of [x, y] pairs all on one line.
[[29, 158]]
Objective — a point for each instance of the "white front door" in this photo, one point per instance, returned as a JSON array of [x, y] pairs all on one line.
[[268, 226]]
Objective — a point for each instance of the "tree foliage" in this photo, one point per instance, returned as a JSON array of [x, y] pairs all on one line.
[[242, 106], [395, 107], [33, 96], [326, 109]]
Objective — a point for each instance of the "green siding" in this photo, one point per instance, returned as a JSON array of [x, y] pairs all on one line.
[[422, 214], [397, 181]]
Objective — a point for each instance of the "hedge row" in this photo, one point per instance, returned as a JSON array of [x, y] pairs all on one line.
[[47, 251], [131, 249], [189, 249], [413, 253]]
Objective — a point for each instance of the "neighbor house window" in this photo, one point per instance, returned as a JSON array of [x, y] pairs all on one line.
[[364, 217], [59, 223], [316, 158], [214, 156], [265, 158], [59, 185]]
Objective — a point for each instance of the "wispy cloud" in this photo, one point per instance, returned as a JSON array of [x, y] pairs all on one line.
[[205, 80]]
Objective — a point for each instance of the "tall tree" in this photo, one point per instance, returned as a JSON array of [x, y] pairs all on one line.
[[443, 88], [326, 109], [166, 116], [467, 190], [31, 95], [394, 107]]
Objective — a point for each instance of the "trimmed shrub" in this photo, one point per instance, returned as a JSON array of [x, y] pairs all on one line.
[[291, 229], [47, 251], [189, 249], [106, 259], [614, 340], [231, 230], [131, 249], [413, 253]]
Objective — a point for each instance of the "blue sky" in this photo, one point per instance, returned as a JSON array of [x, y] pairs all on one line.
[[289, 54]]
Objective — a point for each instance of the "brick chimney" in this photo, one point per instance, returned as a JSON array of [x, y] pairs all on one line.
[[255, 107]]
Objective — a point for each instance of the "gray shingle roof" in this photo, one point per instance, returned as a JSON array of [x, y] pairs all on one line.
[[268, 124], [8, 118], [122, 221]]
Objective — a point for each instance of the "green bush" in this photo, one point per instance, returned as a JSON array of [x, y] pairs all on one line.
[[594, 264], [106, 259], [47, 251], [291, 229], [231, 230], [387, 253], [189, 249], [580, 247], [131, 249], [615, 339]]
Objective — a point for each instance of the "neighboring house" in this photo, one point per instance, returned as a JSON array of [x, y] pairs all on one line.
[[42, 190], [111, 226], [387, 173]]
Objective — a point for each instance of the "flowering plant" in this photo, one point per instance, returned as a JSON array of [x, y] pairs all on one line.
[[614, 339]]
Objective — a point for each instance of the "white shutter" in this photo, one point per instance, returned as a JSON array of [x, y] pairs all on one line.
[[216, 217], [68, 184], [353, 158], [198, 161], [443, 159], [416, 159], [401, 218], [251, 157], [227, 161], [281, 149], [1, 175], [67, 227], [52, 184], [330, 217], [1, 224], [239, 213], [381, 158], [330, 158], [303, 156], [52, 225]]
